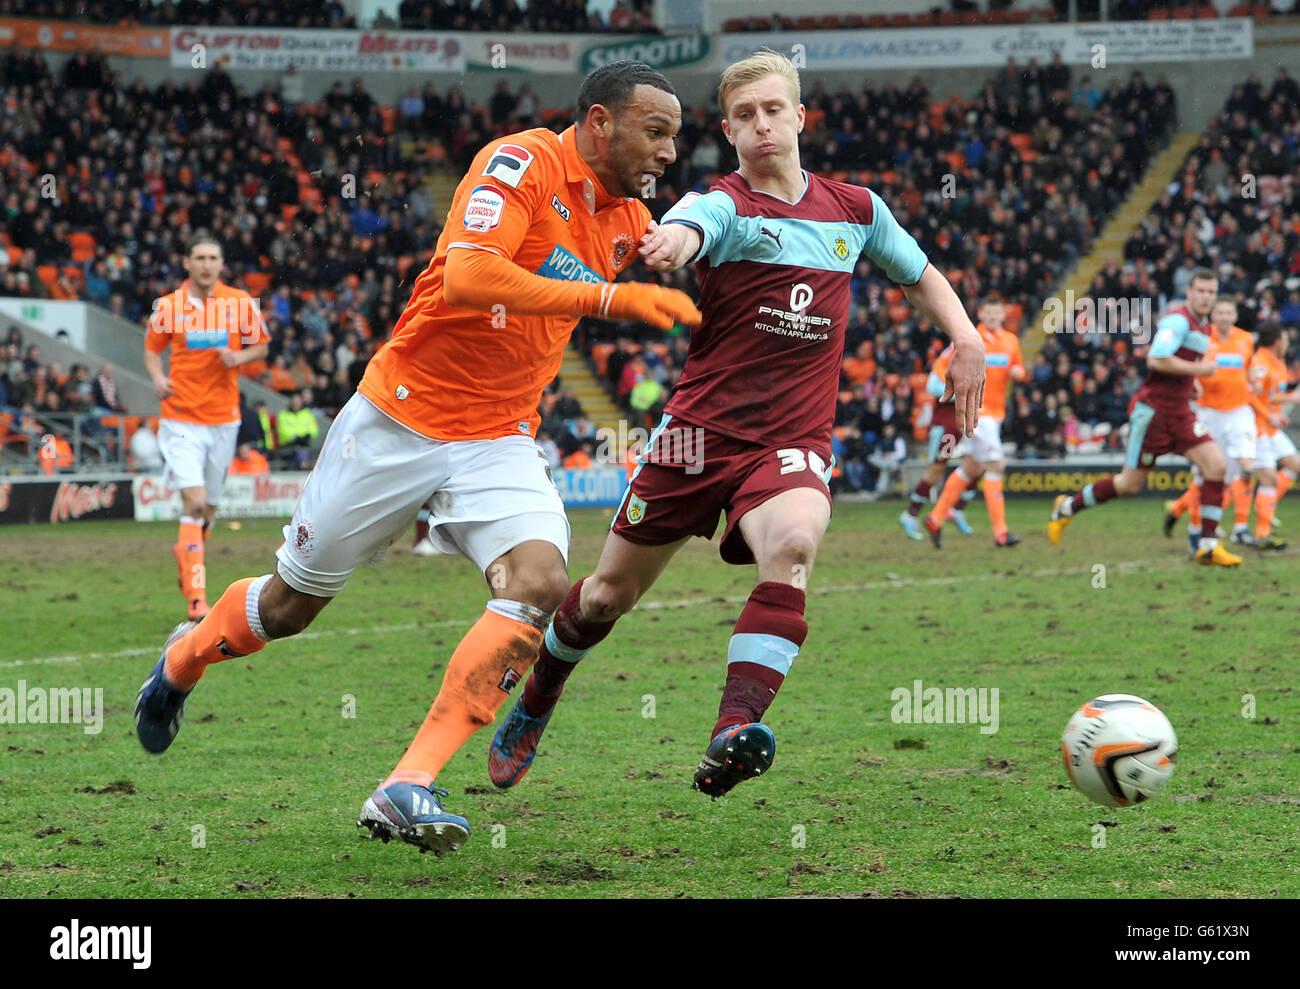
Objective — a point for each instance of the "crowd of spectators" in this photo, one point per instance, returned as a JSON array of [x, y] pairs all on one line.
[[1003, 192], [569, 16]]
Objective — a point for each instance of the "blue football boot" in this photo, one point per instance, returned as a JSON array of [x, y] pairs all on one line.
[[514, 746], [412, 812], [159, 707], [738, 753]]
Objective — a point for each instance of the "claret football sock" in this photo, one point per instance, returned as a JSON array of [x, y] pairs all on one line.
[[232, 628], [485, 667], [567, 640], [920, 496], [1092, 494], [768, 635], [1211, 513]]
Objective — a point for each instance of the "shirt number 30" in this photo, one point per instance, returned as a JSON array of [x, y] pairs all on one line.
[[793, 461]]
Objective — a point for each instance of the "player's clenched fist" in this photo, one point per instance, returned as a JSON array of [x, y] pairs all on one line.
[[668, 247], [653, 304]]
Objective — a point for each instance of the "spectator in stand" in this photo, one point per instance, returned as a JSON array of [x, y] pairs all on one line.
[[249, 461], [296, 429], [888, 458]]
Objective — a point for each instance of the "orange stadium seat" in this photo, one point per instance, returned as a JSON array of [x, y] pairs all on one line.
[[900, 20], [948, 18], [972, 17], [1158, 14], [600, 357], [899, 313], [997, 17], [48, 274], [1183, 13], [80, 239], [258, 282], [734, 26], [877, 21], [1260, 11], [1240, 10], [80, 255], [1206, 11], [1021, 142], [855, 22], [389, 116], [893, 295], [924, 20], [1019, 16], [15, 256], [805, 24], [830, 23]]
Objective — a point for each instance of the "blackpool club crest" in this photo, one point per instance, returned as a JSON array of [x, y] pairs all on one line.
[[635, 510]]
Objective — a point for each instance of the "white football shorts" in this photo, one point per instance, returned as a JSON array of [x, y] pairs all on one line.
[[373, 474], [985, 444], [197, 456], [1233, 430], [1270, 449]]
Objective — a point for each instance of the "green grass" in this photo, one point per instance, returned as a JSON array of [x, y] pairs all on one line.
[[274, 774]]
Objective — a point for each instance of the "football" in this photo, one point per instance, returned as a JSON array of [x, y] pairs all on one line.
[[1119, 749]]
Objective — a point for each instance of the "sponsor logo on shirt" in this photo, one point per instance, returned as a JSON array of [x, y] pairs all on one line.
[[484, 209], [997, 360], [206, 339], [1229, 360], [565, 267], [509, 163], [794, 322], [560, 208]]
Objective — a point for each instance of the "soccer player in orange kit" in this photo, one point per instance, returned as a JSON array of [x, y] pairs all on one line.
[[211, 329], [447, 414]]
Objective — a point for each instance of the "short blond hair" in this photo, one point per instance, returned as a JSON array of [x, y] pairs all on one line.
[[765, 62]]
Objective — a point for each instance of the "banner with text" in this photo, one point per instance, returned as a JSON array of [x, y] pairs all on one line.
[[580, 53], [1117, 43], [318, 50], [61, 36], [268, 496], [1048, 479], [54, 500], [599, 487]]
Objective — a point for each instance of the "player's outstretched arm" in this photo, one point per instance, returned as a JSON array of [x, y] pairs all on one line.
[[934, 297], [1180, 366], [668, 247], [477, 279]]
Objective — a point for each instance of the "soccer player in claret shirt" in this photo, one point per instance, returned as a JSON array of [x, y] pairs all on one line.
[[1162, 421], [447, 413], [983, 450], [1276, 462], [944, 440], [748, 430], [1227, 407], [211, 329]]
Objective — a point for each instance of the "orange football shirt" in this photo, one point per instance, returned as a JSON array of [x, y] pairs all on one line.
[[1268, 376], [1001, 355], [1227, 388], [460, 374], [205, 391]]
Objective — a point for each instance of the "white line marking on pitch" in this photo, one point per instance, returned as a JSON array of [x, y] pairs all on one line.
[[1128, 566]]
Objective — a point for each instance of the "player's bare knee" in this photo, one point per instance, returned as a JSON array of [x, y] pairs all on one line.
[[605, 600], [795, 548], [545, 589]]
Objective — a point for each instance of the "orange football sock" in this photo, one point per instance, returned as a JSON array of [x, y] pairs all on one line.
[[957, 483], [1194, 509], [232, 628], [1191, 498], [189, 559], [495, 654], [1284, 481], [997, 505], [1265, 500], [1240, 502]]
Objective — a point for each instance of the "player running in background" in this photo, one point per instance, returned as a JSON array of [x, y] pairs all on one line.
[[1276, 462], [748, 430], [212, 329], [1162, 421], [983, 449], [1227, 407], [447, 413], [944, 439]]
